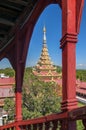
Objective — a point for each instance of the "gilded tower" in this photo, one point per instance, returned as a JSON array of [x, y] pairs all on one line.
[[45, 70]]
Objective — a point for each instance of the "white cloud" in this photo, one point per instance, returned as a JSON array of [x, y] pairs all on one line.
[[81, 66]]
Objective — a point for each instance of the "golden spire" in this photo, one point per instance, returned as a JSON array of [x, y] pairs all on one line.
[[44, 67], [44, 29], [44, 35]]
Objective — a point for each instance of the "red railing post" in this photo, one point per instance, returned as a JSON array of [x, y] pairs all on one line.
[[29, 127], [84, 123], [55, 125], [68, 125], [40, 126], [35, 127], [17, 128], [47, 126]]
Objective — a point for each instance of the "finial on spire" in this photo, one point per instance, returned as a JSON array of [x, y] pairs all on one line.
[[44, 29], [44, 37]]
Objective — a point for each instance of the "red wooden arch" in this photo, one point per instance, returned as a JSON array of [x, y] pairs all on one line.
[[16, 52]]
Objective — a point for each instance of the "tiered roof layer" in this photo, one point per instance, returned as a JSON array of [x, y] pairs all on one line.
[[45, 70]]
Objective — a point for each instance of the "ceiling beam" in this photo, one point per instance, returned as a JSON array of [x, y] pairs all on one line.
[[9, 11], [19, 2], [1, 39], [25, 13], [6, 22], [2, 32], [10, 6]]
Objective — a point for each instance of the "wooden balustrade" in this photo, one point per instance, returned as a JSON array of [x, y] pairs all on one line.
[[42, 126], [50, 122]]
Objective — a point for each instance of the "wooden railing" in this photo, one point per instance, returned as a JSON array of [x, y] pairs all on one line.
[[50, 122], [47, 122]]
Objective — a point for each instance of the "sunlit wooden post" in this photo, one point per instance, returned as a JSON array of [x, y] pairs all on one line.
[[68, 45]]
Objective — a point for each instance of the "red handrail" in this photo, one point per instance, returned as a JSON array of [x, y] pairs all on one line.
[[48, 122], [37, 122]]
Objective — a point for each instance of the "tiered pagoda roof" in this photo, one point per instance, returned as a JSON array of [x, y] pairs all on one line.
[[45, 70]]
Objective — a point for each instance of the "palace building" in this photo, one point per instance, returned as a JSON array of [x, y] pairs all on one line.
[[6, 91], [45, 70]]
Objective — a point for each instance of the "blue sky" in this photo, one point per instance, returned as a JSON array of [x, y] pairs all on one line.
[[51, 18]]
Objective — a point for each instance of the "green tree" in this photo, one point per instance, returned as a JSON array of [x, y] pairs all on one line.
[[80, 125], [8, 72], [81, 74], [39, 98], [9, 107]]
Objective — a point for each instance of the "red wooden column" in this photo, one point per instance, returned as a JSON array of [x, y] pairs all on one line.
[[18, 95], [68, 45], [19, 78]]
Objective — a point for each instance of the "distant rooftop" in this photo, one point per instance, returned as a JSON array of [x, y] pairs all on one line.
[[2, 75]]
